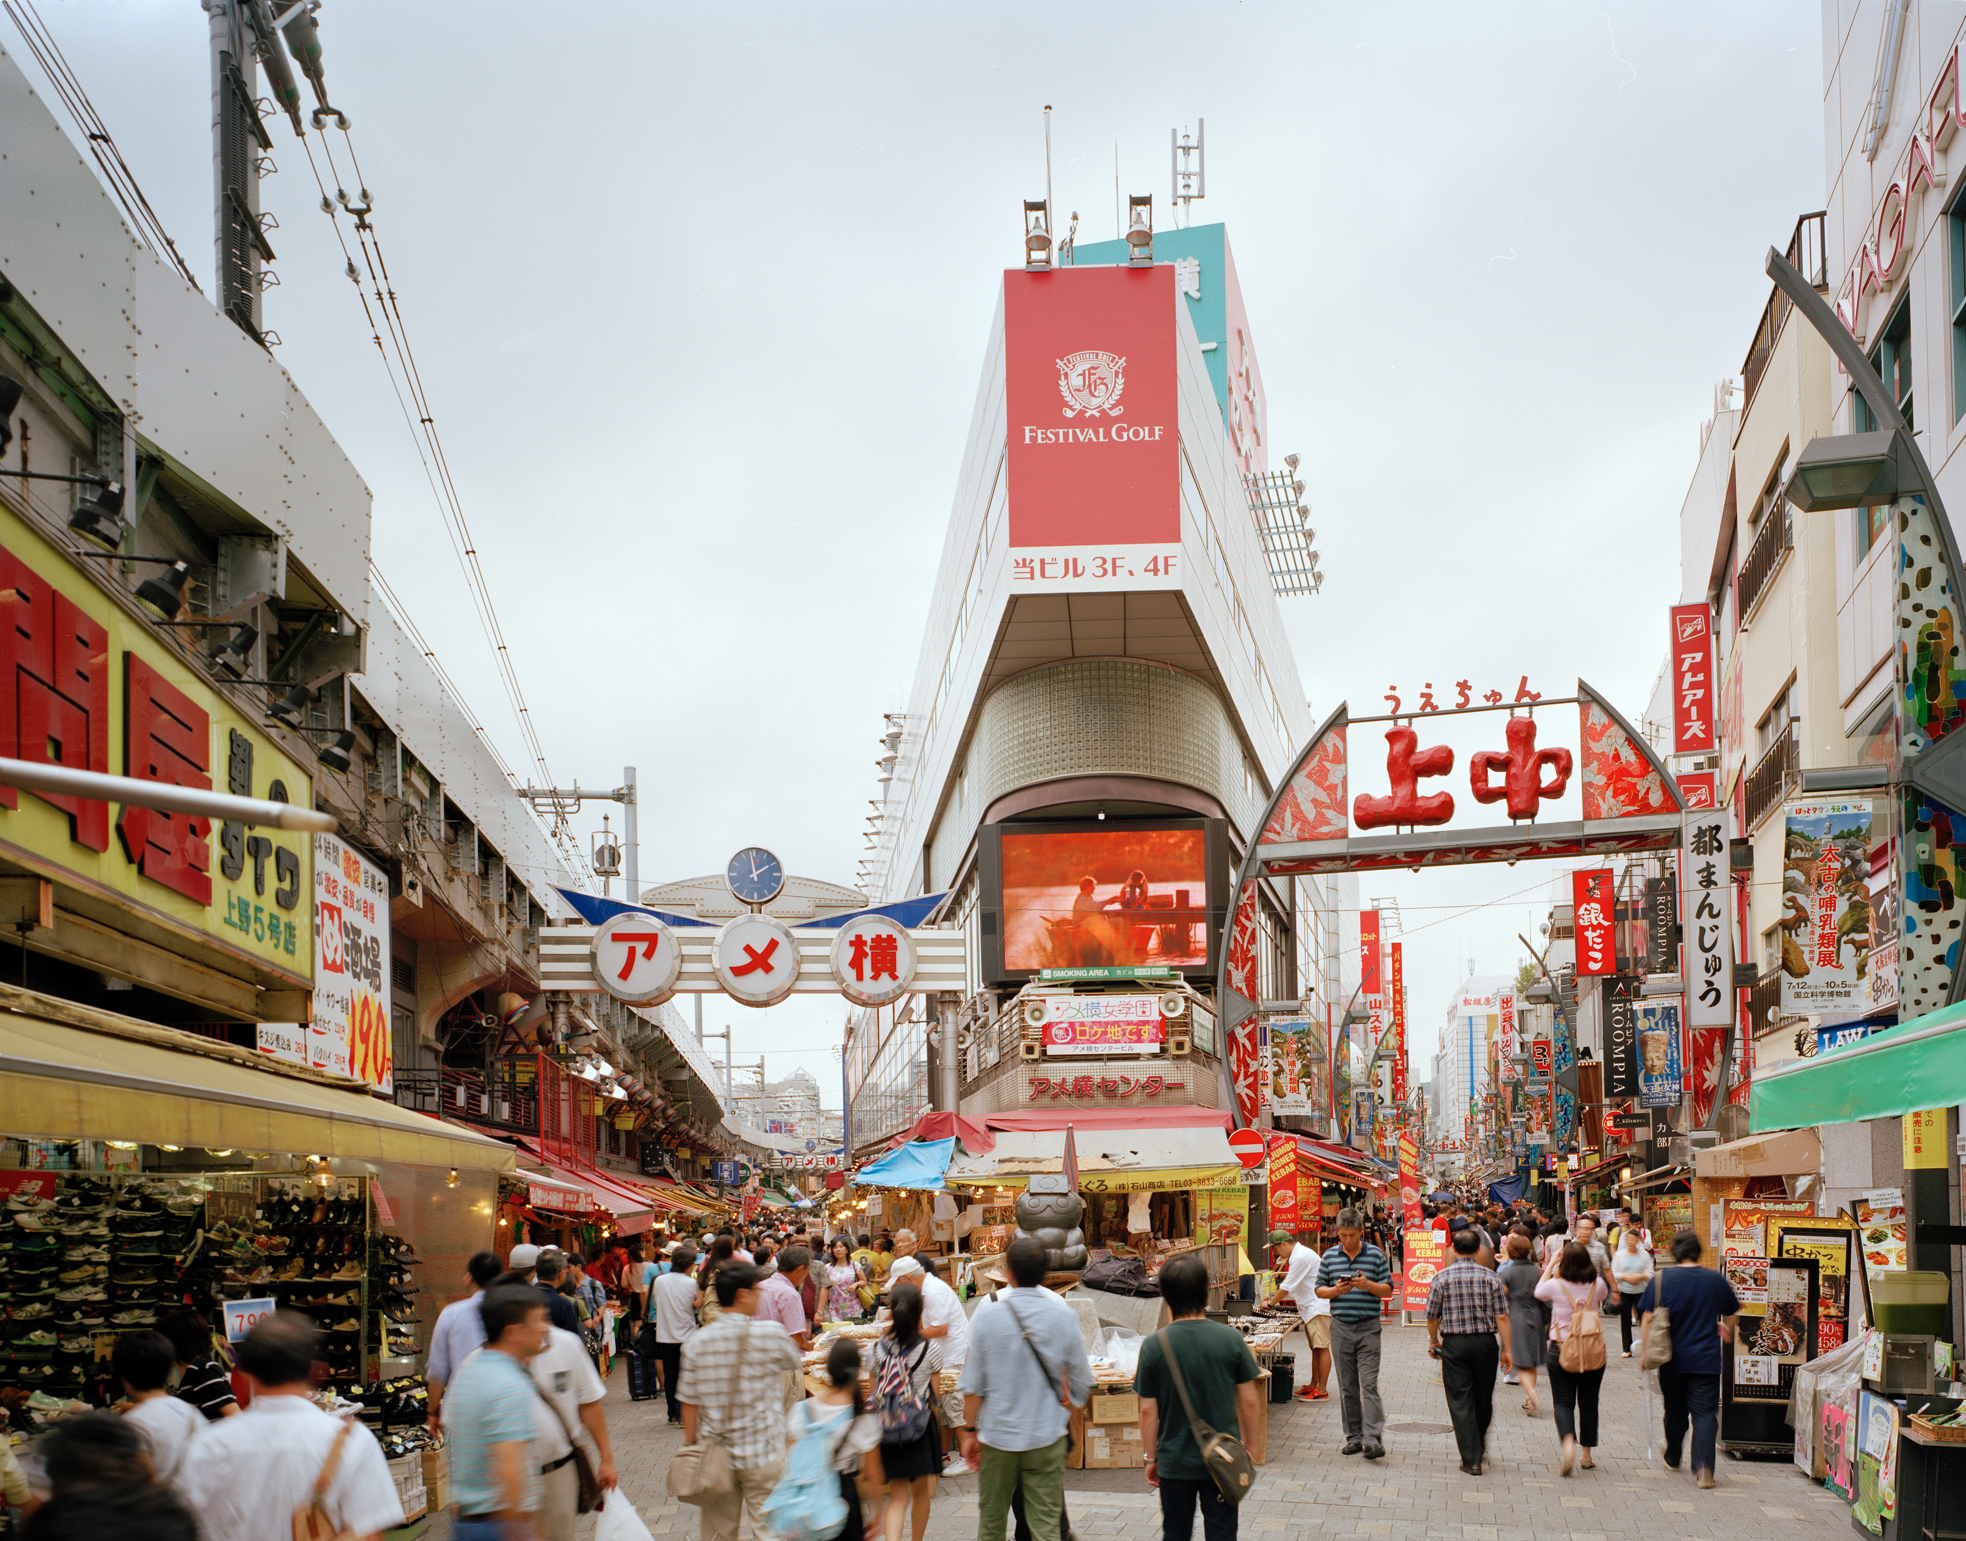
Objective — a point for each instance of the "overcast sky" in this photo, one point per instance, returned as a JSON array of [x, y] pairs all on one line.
[[699, 295]]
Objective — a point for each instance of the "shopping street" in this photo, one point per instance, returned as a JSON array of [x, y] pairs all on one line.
[[1309, 1489]]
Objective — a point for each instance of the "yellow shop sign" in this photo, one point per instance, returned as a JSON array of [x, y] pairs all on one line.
[[84, 685]]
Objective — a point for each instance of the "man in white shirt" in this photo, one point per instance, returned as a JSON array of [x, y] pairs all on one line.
[[244, 1477], [1300, 1267], [460, 1332], [673, 1300], [143, 1361], [570, 1404]]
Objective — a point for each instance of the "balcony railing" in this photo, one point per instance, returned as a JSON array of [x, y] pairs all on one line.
[[1765, 1004], [507, 1097], [1773, 539], [1768, 782], [1806, 252]]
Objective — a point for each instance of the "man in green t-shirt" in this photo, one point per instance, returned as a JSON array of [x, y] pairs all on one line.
[[1220, 1374]]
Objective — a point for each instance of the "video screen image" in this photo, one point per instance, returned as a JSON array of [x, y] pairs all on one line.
[[1105, 898]]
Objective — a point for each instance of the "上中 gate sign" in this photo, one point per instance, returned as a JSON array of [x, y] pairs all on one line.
[[873, 960], [636, 958]]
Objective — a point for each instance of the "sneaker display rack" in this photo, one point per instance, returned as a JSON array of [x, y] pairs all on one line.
[[113, 1253]]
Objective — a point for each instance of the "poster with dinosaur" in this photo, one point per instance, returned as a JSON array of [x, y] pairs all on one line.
[[1826, 926]]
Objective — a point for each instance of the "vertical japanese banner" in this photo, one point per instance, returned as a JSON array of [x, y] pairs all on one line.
[[1706, 909], [1620, 1047], [1826, 926], [1506, 1043], [1409, 1180], [1283, 1183], [1396, 992], [350, 1031], [1591, 897], [1369, 983], [1692, 677]]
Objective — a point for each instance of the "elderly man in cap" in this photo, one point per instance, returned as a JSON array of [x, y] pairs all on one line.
[[942, 1317], [525, 1258], [1299, 1265]]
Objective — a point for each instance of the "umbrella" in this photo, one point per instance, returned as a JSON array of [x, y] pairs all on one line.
[[1442, 1197]]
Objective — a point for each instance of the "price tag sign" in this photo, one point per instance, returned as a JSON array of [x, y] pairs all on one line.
[[242, 1316]]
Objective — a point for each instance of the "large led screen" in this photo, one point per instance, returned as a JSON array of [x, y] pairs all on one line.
[[1113, 897]]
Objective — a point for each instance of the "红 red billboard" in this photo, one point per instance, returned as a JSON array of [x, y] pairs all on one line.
[[1092, 418]]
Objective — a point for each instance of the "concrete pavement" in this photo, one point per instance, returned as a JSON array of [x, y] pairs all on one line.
[[1309, 1489]]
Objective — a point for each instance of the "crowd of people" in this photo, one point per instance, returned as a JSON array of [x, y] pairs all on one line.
[[722, 1321]]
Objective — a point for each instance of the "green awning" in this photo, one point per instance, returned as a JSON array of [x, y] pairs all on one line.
[[1916, 1065]]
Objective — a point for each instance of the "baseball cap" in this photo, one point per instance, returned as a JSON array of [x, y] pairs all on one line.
[[1279, 1237], [903, 1266], [522, 1257]]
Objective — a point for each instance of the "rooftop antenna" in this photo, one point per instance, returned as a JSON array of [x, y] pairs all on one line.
[[1047, 166], [1119, 220], [1189, 180]]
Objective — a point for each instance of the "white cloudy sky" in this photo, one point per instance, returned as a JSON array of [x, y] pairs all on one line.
[[699, 295]]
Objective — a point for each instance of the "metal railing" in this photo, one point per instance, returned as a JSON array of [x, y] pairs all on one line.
[[506, 1097], [1806, 252], [1765, 1013], [1768, 782], [1774, 538]]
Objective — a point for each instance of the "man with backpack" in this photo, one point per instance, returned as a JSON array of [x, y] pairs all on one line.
[[1218, 1373], [1026, 1366]]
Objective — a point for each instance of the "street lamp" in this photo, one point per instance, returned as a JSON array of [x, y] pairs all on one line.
[[1850, 470]]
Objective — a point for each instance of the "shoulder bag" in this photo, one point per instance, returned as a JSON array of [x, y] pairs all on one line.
[[1656, 1350], [700, 1473], [592, 1494], [311, 1522], [1071, 1440], [1582, 1349], [1223, 1456]]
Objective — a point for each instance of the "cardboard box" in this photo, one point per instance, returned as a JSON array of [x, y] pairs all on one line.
[[437, 1478], [1075, 1447], [1116, 1407], [1114, 1448], [1259, 1437]]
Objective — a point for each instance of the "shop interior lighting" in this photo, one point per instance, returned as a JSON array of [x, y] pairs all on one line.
[[210, 1152], [1849, 470], [164, 593], [1140, 229], [120, 1144], [291, 709], [1037, 236], [449, 1182]]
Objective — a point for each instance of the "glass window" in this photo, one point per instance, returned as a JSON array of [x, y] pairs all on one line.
[[1891, 358]]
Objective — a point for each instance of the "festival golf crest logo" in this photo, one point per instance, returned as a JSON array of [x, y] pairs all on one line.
[[1091, 383]]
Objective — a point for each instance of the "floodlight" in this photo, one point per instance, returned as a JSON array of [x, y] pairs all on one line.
[[100, 518], [1140, 229], [165, 592], [291, 709], [235, 658], [334, 753]]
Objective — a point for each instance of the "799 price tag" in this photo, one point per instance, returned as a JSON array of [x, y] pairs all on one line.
[[637, 958]]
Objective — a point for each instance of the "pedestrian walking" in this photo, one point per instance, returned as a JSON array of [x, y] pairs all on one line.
[[1354, 1277], [143, 1362], [549, 1271], [905, 1365], [723, 1250], [459, 1332], [673, 1301], [1468, 1332], [590, 1297], [1702, 1309], [1299, 1265], [779, 1299], [1219, 1374], [837, 1413], [244, 1477], [1026, 1366], [492, 1420], [1528, 1316], [1631, 1268], [945, 1323], [1574, 1294], [568, 1410], [1585, 1233], [99, 1481], [202, 1380], [732, 1389], [843, 1280]]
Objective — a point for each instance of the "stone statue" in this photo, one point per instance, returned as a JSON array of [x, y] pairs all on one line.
[[1050, 1212]]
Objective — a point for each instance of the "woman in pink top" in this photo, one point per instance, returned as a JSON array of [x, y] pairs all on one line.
[[1575, 1286]]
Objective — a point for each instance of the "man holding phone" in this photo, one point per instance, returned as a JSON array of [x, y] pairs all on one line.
[[1354, 1277]]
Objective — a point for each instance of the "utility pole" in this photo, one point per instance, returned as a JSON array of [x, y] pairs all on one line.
[[239, 238], [561, 803]]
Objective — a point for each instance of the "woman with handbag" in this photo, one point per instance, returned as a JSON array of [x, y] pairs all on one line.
[[1631, 1267], [1575, 1357], [843, 1281], [904, 1370]]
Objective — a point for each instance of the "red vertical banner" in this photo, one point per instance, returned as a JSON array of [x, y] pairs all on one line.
[[1409, 1180], [1368, 952], [1396, 988], [1283, 1183], [1591, 898], [1692, 679]]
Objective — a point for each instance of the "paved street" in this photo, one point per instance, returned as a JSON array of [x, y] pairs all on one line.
[[1308, 1488]]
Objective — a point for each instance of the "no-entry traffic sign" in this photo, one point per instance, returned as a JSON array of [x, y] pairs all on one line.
[[1248, 1146]]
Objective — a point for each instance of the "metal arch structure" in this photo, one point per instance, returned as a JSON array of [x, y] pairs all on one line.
[[1630, 803]]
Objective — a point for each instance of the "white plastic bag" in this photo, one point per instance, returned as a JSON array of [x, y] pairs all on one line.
[[619, 1521], [1119, 1347]]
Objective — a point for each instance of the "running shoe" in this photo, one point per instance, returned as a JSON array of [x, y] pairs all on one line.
[[33, 1310], [134, 1318], [79, 1275], [81, 1343], [41, 1338], [83, 1292], [88, 1255], [39, 1220], [349, 1270]]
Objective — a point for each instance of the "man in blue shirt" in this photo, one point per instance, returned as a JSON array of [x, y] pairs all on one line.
[[1702, 1309], [1026, 1362], [460, 1329], [1354, 1277], [490, 1419]]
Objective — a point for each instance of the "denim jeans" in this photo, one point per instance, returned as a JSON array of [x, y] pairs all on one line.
[[1697, 1397], [1178, 1497]]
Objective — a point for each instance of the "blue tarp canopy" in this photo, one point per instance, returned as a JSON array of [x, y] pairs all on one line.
[[918, 1164]]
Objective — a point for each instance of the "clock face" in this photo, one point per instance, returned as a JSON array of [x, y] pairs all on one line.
[[754, 875]]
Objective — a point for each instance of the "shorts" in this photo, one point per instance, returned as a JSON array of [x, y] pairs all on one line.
[[1318, 1330]]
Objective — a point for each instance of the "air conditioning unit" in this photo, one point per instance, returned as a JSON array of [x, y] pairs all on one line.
[[1031, 1051], [1173, 1006], [1178, 1045], [1034, 1013]]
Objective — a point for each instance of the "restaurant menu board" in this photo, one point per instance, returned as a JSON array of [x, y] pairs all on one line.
[[1881, 1230], [1668, 1214], [1827, 1240], [1744, 1225], [1426, 1255], [1776, 1331]]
